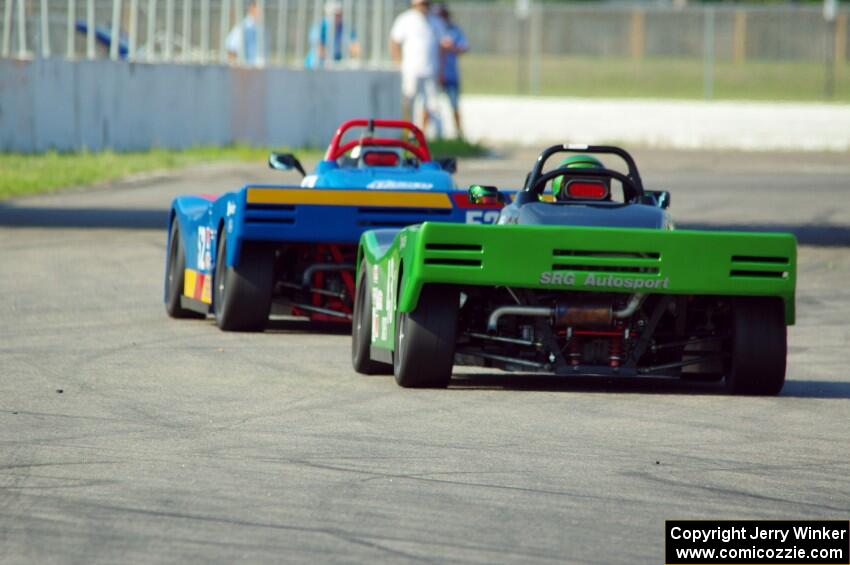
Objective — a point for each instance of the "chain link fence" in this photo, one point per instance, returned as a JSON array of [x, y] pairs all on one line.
[[734, 50], [726, 51], [189, 30]]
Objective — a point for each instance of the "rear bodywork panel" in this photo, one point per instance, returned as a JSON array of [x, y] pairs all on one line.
[[295, 214], [582, 259]]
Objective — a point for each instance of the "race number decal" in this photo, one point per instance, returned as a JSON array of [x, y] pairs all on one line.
[[391, 287], [482, 216], [205, 236]]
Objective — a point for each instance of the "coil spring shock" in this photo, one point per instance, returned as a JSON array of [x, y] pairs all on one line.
[[615, 349], [575, 351]]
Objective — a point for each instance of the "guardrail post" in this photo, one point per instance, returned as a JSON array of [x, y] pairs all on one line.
[[361, 29], [316, 21], [22, 29], [637, 35], [70, 41], [205, 30], [186, 43], [239, 16], [840, 40], [708, 53], [347, 27], [282, 29], [535, 49], [330, 38], [169, 30], [223, 28], [45, 31], [377, 35], [830, 41], [300, 31], [90, 25], [261, 34], [115, 33], [133, 33], [151, 31], [739, 37], [387, 22], [7, 28]]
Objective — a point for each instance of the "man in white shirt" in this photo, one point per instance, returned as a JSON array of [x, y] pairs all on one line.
[[415, 43]]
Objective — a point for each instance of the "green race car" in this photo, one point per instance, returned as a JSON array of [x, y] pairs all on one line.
[[583, 274]]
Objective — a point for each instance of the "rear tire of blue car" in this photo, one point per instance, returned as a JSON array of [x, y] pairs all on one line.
[[243, 293], [759, 347], [361, 330], [174, 277], [425, 340]]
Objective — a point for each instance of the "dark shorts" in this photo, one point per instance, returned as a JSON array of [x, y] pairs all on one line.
[[452, 90]]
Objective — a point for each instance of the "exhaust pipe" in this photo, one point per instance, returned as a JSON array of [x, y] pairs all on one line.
[[537, 311], [634, 303], [566, 315]]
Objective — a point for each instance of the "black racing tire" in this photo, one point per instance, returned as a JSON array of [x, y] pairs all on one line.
[[759, 347], [242, 295], [361, 330], [425, 340], [175, 277]]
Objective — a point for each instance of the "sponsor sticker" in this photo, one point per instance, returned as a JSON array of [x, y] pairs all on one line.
[[399, 185], [378, 299], [390, 286], [376, 324], [205, 238], [568, 278]]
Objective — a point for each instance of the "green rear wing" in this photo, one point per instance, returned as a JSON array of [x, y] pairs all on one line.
[[594, 260]]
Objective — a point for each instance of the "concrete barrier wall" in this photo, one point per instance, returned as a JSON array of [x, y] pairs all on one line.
[[70, 105], [658, 123]]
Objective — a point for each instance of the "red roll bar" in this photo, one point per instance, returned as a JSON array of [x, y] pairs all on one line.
[[335, 151]]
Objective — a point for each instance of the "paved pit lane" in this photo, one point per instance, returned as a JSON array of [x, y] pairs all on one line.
[[129, 437]]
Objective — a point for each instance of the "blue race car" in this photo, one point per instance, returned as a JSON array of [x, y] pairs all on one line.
[[233, 255]]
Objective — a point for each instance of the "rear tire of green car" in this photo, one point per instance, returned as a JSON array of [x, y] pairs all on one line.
[[361, 330], [243, 294], [175, 277], [759, 347], [425, 340]]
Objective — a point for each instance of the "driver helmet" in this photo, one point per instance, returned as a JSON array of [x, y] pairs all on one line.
[[584, 161]]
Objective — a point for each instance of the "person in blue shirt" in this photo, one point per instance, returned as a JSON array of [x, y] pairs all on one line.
[[320, 38], [244, 37], [452, 44]]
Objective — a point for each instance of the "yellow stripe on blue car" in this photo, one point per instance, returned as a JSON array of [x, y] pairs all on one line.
[[396, 199]]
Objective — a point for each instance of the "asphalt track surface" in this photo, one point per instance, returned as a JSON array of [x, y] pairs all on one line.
[[129, 437]]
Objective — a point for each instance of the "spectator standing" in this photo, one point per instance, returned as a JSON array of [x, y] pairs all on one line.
[[320, 37], [244, 36], [415, 43], [453, 44]]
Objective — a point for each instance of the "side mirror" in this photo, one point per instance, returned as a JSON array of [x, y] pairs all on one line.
[[659, 198], [449, 165], [480, 194], [286, 162]]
